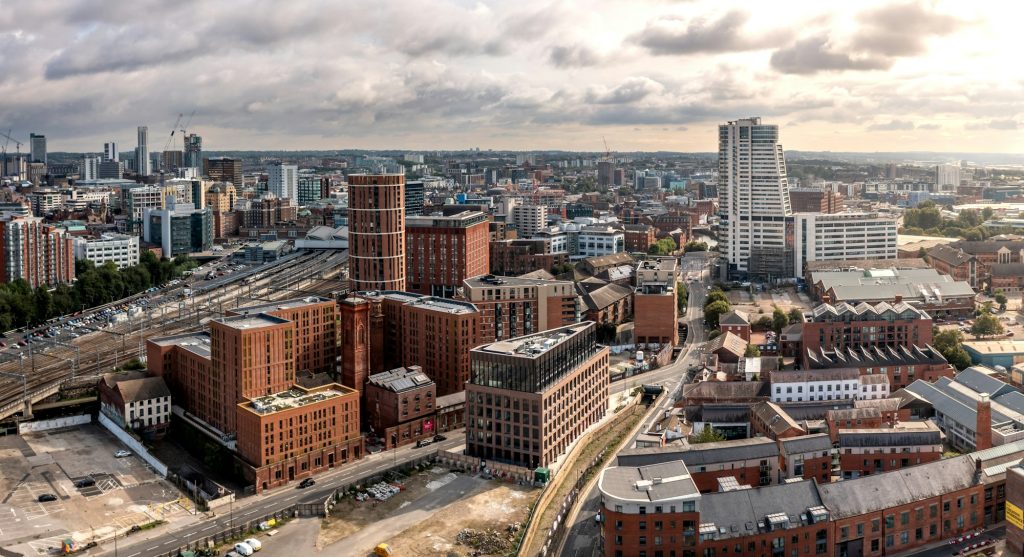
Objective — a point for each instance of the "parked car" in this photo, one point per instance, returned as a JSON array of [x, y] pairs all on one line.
[[47, 497], [254, 544], [85, 482], [306, 483], [438, 438], [423, 443], [243, 549], [122, 453]]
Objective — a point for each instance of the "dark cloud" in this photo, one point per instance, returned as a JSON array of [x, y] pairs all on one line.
[[892, 125], [573, 56], [814, 54], [632, 90], [669, 35], [1005, 124], [901, 29]]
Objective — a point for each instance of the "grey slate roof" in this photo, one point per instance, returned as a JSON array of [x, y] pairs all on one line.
[[892, 489], [702, 454], [744, 512], [817, 442], [890, 437], [734, 317], [981, 380]]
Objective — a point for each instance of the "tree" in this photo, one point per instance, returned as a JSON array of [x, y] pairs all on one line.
[[606, 333], [987, 213], [795, 315], [763, 323], [779, 320], [707, 435], [949, 344], [716, 295], [752, 351], [922, 253], [713, 311], [1001, 299], [694, 245], [664, 246], [986, 325], [681, 295], [713, 334]]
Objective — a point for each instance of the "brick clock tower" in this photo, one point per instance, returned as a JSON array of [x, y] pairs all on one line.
[[355, 342]]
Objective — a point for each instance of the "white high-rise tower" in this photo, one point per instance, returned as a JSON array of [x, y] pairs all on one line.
[[142, 152], [752, 182], [283, 181]]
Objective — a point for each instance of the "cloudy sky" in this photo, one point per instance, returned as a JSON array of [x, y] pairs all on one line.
[[516, 74]]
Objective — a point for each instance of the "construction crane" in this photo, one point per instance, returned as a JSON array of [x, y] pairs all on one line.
[[607, 152], [17, 143], [174, 128], [185, 127]]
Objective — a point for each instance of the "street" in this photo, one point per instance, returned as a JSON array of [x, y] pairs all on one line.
[[584, 535]]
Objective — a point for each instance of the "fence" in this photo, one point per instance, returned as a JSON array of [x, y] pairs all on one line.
[[134, 444], [324, 509], [56, 423], [235, 532]]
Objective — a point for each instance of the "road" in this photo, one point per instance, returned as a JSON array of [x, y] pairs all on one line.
[[584, 536], [161, 541], [945, 549], [53, 362]]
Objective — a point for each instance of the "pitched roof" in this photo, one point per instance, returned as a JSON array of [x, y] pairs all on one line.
[[982, 379], [809, 375], [866, 312], [727, 341], [777, 420], [727, 390], [948, 254], [853, 414], [146, 388], [604, 296], [861, 356], [744, 512], [907, 434], [1007, 269], [806, 444], [900, 487], [734, 317]]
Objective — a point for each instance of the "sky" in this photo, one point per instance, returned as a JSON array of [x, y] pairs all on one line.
[[520, 74]]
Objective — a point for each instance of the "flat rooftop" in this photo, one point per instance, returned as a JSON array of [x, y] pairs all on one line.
[[286, 304], [657, 482], [251, 321], [390, 295], [491, 281], [197, 342], [295, 397], [443, 304], [533, 345]]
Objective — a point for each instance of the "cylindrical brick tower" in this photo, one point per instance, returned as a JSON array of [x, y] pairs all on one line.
[[376, 231]]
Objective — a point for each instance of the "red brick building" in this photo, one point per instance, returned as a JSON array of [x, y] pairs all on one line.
[[771, 421], [513, 306], [753, 462], [844, 326], [443, 251], [639, 237], [290, 435], [376, 231], [521, 256], [401, 406], [902, 365], [815, 201], [316, 330], [38, 253], [871, 451], [736, 322], [808, 457]]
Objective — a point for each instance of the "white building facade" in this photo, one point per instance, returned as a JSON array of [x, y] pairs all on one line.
[[839, 236], [283, 181], [121, 249]]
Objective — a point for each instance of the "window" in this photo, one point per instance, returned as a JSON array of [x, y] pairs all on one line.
[[904, 518], [643, 524], [643, 540], [904, 537], [890, 521]]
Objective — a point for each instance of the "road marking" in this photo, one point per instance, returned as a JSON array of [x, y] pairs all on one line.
[[134, 554], [152, 548]]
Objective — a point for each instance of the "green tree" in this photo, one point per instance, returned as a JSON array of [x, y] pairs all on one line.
[[606, 333], [713, 311], [986, 213], [716, 295], [664, 246], [707, 435], [947, 339], [986, 325], [763, 323], [682, 294], [752, 351], [1001, 299], [795, 315], [694, 245], [779, 320]]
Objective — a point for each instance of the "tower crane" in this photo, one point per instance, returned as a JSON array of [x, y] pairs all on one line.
[[607, 152], [185, 127], [17, 143], [174, 128]]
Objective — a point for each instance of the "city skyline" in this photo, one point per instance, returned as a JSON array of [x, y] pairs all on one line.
[[877, 76]]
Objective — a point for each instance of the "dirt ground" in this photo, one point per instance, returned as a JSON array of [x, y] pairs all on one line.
[[427, 516]]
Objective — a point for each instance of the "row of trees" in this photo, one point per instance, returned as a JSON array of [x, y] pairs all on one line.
[[664, 246], [927, 219], [21, 305], [715, 305]]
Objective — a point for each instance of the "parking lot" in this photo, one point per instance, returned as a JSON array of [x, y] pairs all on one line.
[[118, 492]]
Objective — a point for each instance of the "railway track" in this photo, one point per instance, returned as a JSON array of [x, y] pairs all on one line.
[[100, 351]]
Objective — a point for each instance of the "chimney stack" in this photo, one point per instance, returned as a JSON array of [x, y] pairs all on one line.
[[983, 427]]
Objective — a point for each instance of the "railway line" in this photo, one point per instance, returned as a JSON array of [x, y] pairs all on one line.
[[40, 371]]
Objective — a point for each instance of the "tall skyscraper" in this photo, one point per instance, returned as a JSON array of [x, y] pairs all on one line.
[[90, 169], [110, 152], [604, 173], [283, 181], [376, 231], [193, 152], [752, 170], [142, 152], [37, 146]]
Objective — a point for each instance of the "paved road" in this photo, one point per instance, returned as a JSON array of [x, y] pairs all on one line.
[[946, 550], [584, 535], [250, 508]]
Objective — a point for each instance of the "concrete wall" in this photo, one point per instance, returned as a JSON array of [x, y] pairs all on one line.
[[56, 423], [134, 445]]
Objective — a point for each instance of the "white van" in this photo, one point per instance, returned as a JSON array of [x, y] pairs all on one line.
[[253, 543], [243, 549]]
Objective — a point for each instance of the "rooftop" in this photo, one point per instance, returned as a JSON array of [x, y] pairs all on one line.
[[745, 512], [250, 321], [702, 454], [463, 219], [296, 397], [995, 346], [490, 281], [531, 346], [286, 304], [197, 342], [401, 379], [657, 482]]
